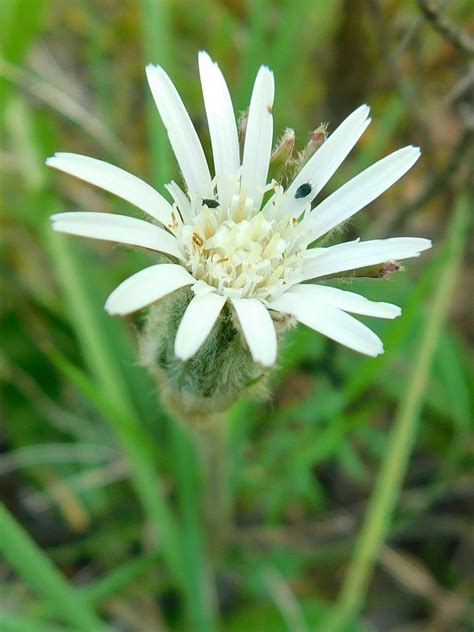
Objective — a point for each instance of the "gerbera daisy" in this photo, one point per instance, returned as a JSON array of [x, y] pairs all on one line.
[[236, 239]]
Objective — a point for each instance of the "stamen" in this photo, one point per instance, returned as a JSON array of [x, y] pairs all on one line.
[[198, 240], [240, 254]]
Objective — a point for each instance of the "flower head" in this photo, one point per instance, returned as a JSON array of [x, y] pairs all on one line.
[[236, 239]]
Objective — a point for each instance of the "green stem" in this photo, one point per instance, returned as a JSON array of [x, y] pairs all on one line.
[[139, 452], [211, 443], [388, 485], [13, 622], [202, 604]]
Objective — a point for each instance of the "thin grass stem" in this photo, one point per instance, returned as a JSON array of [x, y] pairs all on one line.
[[29, 561], [390, 480]]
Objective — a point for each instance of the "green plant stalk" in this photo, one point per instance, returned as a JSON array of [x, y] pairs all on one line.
[[157, 48], [97, 351], [390, 480], [114, 402], [136, 447], [10, 622], [254, 53], [203, 604], [181, 543], [212, 449], [20, 23], [29, 561], [106, 586]]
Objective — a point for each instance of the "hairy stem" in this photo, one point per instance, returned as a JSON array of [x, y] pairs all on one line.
[[211, 444]]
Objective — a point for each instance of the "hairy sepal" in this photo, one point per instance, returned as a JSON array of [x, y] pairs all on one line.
[[214, 378]]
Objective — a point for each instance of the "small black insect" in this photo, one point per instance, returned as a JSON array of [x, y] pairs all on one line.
[[210, 203], [303, 190]]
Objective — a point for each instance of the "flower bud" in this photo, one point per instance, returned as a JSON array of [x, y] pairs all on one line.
[[316, 139], [214, 378], [242, 127], [284, 148]]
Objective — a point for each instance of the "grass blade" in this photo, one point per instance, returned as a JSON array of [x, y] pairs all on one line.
[[118, 579], [87, 320], [13, 622], [202, 600], [28, 560], [402, 437], [255, 51], [157, 50], [137, 449], [20, 23]]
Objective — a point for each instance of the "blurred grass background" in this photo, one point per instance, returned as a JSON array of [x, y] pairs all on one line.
[[99, 527]]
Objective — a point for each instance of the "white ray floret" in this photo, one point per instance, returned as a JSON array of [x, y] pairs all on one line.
[[331, 321], [253, 263], [146, 287], [222, 128], [360, 254], [258, 137], [360, 191], [194, 328], [323, 164], [347, 301], [258, 329], [183, 138], [182, 201], [114, 180], [119, 228]]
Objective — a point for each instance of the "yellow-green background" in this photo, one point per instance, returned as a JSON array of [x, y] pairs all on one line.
[[90, 466]]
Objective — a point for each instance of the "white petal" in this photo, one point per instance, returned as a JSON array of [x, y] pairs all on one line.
[[347, 301], [146, 287], [323, 164], [359, 254], [222, 127], [330, 321], [116, 181], [196, 324], [181, 200], [360, 191], [201, 287], [120, 228], [183, 138], [258, 329], [258, 137]]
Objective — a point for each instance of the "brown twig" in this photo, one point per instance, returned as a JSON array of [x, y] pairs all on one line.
[[438, 182], [414, 576], [341, 524], [456, 36], [405, 89]]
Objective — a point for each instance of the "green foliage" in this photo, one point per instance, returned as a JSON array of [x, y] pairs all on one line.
[[103, 527], [34, 565]]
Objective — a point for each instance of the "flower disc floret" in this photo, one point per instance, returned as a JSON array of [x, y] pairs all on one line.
[[240, 255]]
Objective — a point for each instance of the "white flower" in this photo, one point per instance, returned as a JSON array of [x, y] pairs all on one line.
[[229, 245]]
